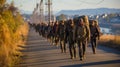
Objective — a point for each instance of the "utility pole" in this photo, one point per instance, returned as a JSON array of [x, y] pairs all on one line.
[[41, 11], [49, 10], [49, 6]]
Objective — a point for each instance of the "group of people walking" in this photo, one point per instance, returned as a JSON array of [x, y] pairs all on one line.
[[77, 32]]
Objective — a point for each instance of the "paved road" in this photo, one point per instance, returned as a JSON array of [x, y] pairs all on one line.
[[39, 53]]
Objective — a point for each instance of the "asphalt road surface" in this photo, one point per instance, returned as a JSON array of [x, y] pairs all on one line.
[[40, 53]]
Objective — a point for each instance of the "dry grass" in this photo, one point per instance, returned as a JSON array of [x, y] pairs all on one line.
[[13, 32], [110, 41], [107, 37], [10, 45]]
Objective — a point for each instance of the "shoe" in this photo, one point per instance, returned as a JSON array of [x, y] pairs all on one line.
[[64, 51], [83, 56], [72, 57], [81, 59], [53, 43], [94, 52], [75, 56]]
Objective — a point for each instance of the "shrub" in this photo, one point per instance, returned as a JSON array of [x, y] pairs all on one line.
[[11, 29]]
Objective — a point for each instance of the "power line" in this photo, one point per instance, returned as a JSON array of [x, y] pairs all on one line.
[[92, 2], [100, 2]]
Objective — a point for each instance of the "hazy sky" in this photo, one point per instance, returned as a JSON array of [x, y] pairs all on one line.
[[58, 5]]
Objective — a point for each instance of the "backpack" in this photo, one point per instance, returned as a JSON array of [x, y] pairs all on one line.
[[85, 19], [81, 32]]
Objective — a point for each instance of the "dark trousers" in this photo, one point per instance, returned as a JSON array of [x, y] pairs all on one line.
[[72, 50], [63, 46], [94, 44], [56, 39], [82, 48]]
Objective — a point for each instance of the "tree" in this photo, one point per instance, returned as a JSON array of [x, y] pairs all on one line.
[[2, 2], [62, 17]]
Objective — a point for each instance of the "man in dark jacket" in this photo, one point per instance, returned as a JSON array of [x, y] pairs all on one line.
[[56, 33], [95, 33], [72, 46], [81, 36], [62, 36], [50, 35]]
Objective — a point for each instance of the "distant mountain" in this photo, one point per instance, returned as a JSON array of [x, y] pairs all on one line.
[[25, 12], [30, 12], [89, 11]]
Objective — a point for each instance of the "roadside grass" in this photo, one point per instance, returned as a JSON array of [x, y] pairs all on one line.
[[112, 41], [13, 33], [10, 44]]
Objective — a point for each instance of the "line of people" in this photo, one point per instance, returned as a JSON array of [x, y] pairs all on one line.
[[77, 32]]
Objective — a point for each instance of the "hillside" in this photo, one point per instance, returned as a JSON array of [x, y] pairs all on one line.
[[89, 11]]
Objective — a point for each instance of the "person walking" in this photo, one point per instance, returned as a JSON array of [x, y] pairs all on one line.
[[95, 35], [72, 46], [81, 35], [62, 36]]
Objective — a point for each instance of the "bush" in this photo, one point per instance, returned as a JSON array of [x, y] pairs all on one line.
[[11, 29]]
